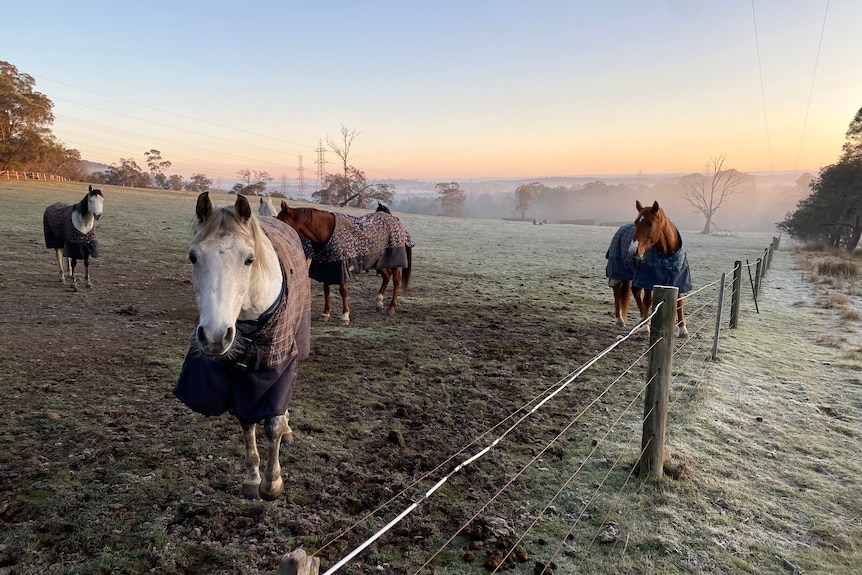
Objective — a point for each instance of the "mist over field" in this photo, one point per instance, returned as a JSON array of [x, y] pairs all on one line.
[[759, 203]]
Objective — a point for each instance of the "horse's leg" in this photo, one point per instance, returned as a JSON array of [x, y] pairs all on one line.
[[682, 330], [276, 429], [87, 281], [58, 252], [384, 273], [345, 307], [251, 484], [644, 304], [621, 301], [327, 303], [74, 280], [396, 283]]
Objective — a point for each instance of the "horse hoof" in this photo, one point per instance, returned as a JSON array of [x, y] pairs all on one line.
[[251, 490], [391, 311], [379, 307], [273, 491], [74, 288], [344, 322], [324, 317]]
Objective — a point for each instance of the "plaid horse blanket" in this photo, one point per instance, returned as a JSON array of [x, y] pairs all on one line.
[[259, 383], [655, 268], [374, 241], [61, 233]]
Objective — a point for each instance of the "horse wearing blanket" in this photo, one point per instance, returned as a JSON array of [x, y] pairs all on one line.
[[254, 327], [642, 255], [340, 245], [70, 230]]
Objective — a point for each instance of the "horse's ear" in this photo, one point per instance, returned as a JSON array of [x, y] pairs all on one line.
[[284, 206], [638, 205], [241, 208], [655, 206], [91, 188], [204, 207], [261, 201]]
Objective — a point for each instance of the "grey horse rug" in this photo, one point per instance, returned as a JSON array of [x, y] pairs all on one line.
[[258, 382], [655, 268], [371, 242], [61, 233]]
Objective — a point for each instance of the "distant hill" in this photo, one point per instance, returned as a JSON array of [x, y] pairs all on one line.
[[95, 167]]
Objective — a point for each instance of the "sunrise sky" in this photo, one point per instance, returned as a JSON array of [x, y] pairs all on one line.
[[447, 90]]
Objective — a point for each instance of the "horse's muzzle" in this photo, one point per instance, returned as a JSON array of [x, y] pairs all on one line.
[[214, 347]]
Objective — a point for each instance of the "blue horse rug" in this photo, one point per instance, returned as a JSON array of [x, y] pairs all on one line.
[[655, 268], [359, 243]]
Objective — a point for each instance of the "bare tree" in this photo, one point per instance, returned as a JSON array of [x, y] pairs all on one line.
[[524, 197], [342, 147], [708, 192]]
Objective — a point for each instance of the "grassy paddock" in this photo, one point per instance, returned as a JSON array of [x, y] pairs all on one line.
[[764, 443]]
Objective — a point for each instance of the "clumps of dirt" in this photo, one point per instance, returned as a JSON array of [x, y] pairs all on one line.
[[494, 535], [676, 466]]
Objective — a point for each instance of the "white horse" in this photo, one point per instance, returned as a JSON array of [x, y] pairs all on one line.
[[70, 230], [253, 328], [266, 208]]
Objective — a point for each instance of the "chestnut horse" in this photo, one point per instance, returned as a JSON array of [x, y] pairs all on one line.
[[644, 254], [340, 245]]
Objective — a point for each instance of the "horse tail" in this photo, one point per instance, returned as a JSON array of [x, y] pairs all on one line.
[[405, 277]]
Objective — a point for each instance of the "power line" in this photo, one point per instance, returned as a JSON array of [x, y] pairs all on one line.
[[762, 92], [811, 92]]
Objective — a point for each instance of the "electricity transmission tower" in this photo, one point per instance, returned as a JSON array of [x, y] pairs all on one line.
[[321, 164], [301, 171]]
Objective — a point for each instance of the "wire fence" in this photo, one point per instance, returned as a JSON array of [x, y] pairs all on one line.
[[585, 506]]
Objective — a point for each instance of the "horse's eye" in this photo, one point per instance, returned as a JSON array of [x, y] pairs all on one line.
[[193, 258], [249, 260]]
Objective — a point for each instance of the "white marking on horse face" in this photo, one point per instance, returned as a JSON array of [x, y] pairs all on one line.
[[633, 248], [95, 204], [221, 275], [640, 219]]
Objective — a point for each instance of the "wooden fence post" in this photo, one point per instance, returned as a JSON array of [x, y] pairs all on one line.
[[718, 315], [662, 332], [772, 248], [298, 563], [758, 275], [735, 294]]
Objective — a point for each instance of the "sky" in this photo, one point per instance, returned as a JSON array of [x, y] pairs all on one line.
[[446, 90]]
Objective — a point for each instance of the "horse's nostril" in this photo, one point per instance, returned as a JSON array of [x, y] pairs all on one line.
[[228, 336], [201, 335]]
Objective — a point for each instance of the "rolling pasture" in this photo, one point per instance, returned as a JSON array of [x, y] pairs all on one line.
[[103, 470]]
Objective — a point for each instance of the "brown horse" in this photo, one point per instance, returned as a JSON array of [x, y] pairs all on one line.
[[644, 254], [340, 245]]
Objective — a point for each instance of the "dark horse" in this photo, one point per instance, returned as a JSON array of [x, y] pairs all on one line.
[[340, 245], [644, 254], [70, 230]]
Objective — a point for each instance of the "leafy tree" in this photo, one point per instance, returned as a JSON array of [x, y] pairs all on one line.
[[832, 214], [174, 182], [352, 190], [254, 182], [156, 165], [198, 183], [452, 199], [708, 192], [25, 117], [524, 197], [127, 174], [60, 161], [853, 138]]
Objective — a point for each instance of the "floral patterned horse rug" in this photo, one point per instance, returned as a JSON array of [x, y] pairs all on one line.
[[371, 242]]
